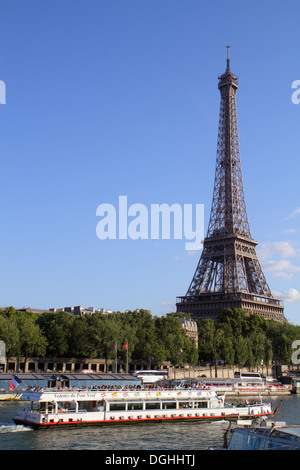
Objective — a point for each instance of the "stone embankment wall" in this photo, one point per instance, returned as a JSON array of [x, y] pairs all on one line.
[[211, 372]]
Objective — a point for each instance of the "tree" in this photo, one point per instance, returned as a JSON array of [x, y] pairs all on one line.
[[23, 336], [173, 338], [257, 348], [206, 341], [145, 336], [237, 319], [241, 348], [32, 341], [9, 333], [57, 329], [81, 344], [108, 333], [268, 353], [225, 348], [282, 336], [190, 352]]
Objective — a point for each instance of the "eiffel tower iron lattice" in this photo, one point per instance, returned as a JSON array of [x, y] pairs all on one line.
[[229, 274]]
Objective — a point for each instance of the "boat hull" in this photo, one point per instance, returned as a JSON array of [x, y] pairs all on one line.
[[140, 421]]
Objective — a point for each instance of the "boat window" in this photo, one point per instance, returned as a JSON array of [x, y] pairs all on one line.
[[86, 405], [38, 406], [66, 406], [135, 406], [101, 405], [167, 405], [51, 407], [200, 404], [153, 406], [117, 406], [237, 441], [253, 442], [282, 435], [185, 404]]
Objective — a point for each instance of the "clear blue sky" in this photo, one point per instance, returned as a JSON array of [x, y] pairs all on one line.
[[109, 98]]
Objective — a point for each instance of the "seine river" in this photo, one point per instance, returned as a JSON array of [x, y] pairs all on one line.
[[160, 437]]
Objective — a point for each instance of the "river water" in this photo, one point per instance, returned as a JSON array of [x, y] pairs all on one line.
[[156, 437]]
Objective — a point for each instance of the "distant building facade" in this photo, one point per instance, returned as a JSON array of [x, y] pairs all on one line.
[[191, 329]]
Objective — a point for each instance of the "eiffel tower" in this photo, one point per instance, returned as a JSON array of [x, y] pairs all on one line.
[[229, 274]]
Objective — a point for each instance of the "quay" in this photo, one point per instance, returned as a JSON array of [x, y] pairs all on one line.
[[83, 372]]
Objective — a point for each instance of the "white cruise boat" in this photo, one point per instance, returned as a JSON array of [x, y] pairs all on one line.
[[54, 409], [245, 387]]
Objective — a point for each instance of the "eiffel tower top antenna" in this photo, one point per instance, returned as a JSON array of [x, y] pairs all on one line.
[[228, 60]]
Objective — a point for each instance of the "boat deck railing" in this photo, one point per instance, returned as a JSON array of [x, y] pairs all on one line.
[[114, 389]]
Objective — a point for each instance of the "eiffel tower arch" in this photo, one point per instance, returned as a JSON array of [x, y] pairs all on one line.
[[229, 274]]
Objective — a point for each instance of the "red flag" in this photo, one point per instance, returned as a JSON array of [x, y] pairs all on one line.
[[125, 346]]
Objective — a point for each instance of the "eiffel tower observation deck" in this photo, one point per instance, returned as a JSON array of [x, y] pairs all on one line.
[[229, 274]]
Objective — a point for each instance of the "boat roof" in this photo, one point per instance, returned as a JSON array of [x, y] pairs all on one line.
[[92, 376], [273, 430], [294, 430], [65, 376], [23, 376]]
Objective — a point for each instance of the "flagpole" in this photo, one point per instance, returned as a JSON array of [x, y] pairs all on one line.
[[127, 357], [116, 357]]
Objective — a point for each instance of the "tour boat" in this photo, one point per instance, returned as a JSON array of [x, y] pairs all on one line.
[[246, 387], [54, 409]]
